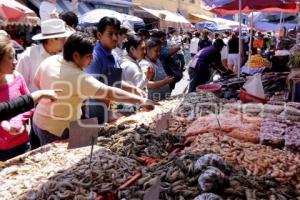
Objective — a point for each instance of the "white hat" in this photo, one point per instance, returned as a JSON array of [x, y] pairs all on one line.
[[52, 28]]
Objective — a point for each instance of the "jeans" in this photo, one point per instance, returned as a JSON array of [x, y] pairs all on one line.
[[46, 137]]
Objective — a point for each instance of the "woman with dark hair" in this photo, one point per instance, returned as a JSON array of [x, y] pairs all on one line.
[[158, 86], [132, 72], [51, 119]]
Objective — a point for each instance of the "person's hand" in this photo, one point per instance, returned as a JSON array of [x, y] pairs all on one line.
[[45, 94], [140, 92], [147, 105], [12, 130], [169, 79], [150, 73]]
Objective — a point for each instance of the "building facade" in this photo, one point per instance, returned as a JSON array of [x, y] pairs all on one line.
[[185, 7]]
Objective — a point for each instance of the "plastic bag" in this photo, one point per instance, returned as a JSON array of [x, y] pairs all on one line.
[[254, 86]]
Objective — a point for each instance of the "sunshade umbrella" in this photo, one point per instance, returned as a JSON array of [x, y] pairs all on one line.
[[94, 16], [248, 6], [13, 11]]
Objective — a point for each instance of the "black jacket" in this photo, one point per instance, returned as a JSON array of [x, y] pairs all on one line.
[[16, 106]]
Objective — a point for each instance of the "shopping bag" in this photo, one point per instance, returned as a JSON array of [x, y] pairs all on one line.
[[254, 86]]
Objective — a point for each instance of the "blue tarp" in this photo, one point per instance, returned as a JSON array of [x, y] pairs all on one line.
[[212, 26], [267, 26]]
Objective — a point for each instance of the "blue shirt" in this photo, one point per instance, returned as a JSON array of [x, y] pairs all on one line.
[[103, 60], [104, 68]]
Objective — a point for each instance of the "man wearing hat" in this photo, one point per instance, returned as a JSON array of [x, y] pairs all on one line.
[[203, 61], [52, 38]]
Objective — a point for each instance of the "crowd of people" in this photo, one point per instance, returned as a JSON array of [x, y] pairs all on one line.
[[72, 74]]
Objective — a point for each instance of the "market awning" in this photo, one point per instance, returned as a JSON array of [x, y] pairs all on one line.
[[171, 19], [66, 6], [198, 17], [219, 21]]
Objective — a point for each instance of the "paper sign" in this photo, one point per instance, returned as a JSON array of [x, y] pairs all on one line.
[[153, 192], [163, 122], [80, 135]]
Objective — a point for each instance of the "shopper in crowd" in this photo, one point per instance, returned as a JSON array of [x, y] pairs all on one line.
[[144, 34], [52, 38], [13, 141], [203, 62], [166, 57], [233, 52], [119, 51], [51, 119], [70, 18], [48, 10], [132, 72], [194, 44], [157, 85], [258, 42], [177, 40], [204, 41], [105, 67], [224, 52], [14, 107]]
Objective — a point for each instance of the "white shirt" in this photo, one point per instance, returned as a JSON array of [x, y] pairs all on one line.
[[224, 51], [194, 45], [119, 54], [133, 73], [28, 63], [46, 9]]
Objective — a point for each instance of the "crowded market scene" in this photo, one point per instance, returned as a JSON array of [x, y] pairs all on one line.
[[150, 100]]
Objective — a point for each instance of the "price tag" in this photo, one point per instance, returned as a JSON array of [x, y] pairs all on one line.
[[163, 122], [83, 133], [153, 192]]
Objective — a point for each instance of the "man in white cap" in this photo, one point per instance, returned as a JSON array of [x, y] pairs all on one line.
[[52, 38]]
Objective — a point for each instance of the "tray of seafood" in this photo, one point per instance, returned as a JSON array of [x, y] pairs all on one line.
[[59, 173], [139, 142], [258, 160], [203, 176]]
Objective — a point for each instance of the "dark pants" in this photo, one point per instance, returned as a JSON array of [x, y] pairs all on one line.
[[34, 139], [13, 152], [197, 78], [182, 61], [45, 137]]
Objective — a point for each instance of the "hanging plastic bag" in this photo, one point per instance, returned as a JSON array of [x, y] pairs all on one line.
[[254, 86]]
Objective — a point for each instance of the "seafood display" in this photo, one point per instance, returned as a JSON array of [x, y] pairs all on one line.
[[272, 82], [138, 140], [243, 127], [256, 159], [272, 132], [151, 116], [65, 174], [200, 176], [193, 105]]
